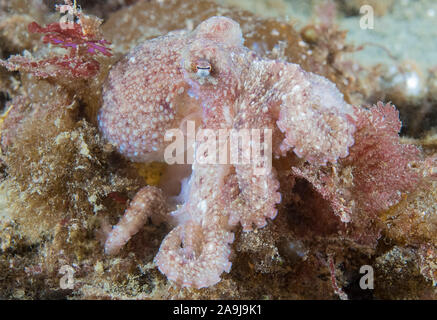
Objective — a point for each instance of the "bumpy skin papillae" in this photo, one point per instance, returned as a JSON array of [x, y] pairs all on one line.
[[208, 75], [197, 251], [141, 99], [201, 260], [317, 122], [147, 202], [224, 96], [218, 42], [257, 181]]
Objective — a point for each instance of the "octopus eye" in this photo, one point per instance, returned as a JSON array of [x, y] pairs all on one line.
[[203, 68]]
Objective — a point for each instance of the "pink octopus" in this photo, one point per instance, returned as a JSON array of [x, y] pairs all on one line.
[[208, 76]]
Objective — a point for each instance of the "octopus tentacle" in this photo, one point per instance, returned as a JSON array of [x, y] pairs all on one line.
[[195, 256], [257, 199], [149, 201], [315, 100]]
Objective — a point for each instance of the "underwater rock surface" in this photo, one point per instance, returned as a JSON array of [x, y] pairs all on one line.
[[64, 182]]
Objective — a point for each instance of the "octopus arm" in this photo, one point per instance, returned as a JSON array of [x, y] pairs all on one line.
[[195, 256], [257, 199], [257, 183], [256, 179], [148, 202], [197, 251], [317, 122]]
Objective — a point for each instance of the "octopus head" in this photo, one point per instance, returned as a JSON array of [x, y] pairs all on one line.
[[211, 60]]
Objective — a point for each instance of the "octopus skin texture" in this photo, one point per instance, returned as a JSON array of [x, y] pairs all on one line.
[[209, 76]]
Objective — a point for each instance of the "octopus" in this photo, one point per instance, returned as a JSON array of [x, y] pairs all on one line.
[[209, 78]]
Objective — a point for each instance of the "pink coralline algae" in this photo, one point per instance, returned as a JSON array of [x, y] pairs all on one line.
[[208, 76]]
